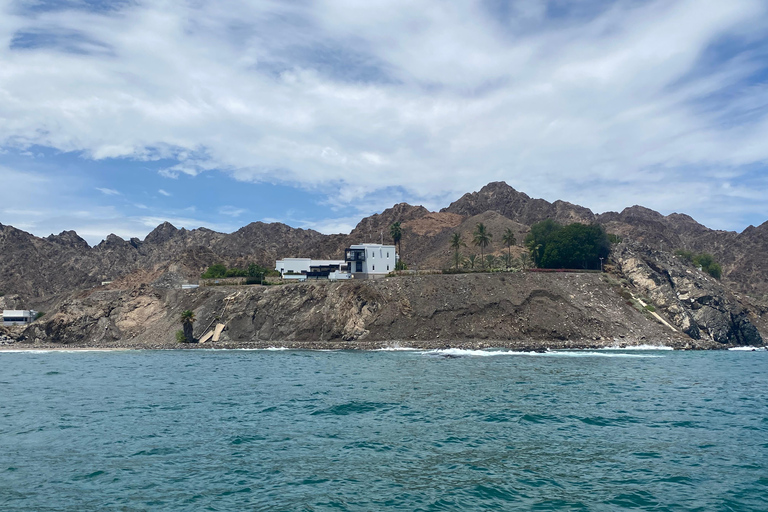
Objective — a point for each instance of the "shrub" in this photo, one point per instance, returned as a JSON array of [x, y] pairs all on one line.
[[401, 265], [39, 315], [215, 271], [715, 270], [180, 338], [650, 308], [703, 260]]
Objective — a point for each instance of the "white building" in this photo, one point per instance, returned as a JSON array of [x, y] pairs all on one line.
[[369, 261], [18, 316], [303, 268]]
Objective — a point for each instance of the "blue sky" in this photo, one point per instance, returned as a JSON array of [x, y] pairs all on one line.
[[116, 116]]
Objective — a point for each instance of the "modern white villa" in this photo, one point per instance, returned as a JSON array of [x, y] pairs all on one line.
[[301, 269], [370, 261], [18, 316], [361, 261]]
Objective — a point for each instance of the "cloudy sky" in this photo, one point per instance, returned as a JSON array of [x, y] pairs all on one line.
[[117, 115]]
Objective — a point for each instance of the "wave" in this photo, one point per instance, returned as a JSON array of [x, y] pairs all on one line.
[[460, 352], [638, 347], [749, 349], [464, 352], [597, 353]]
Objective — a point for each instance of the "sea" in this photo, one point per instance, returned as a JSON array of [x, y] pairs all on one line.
[[413, 430]]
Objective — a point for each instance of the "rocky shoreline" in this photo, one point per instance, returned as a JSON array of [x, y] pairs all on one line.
[[516, 310]]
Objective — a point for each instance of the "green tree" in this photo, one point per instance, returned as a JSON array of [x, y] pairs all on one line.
[[187, 321], [490, 261], [482, 239], [215, 271], [573, 246], [509, 240], [396, 232], [471, 261], [457, 242]]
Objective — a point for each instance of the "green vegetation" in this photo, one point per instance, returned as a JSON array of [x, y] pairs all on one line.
[[482, 239], [490, 261], [396, 232], [650, 307], [187, 321], [704, 261], [180, 338], [576, 245], [614, 239], [457, 242], [39, 315], [509, 240], [401, 265], [471, 261]]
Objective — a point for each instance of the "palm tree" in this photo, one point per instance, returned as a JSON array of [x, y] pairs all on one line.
[[187, 319], [491, 260], [482, 239], [525, 261], [456, 244], [472, 260], [396, 232], [509, 240]]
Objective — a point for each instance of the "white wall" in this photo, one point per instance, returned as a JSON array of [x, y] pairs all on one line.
[[379, 259], [297, 265]]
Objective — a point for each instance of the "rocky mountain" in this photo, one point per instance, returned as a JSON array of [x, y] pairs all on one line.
[[44, 273]]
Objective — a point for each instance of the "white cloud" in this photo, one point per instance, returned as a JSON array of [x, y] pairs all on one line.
[[108, 191], [232, 211], [163, 192], [354, 98]]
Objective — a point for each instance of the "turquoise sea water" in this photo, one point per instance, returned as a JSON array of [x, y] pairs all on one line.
[[407, 430]]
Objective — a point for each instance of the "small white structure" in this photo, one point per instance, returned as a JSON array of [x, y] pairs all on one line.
[[370, 261], [18, 316], [189, 286]]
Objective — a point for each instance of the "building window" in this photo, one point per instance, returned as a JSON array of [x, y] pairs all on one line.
[[387, 254], [373, 254], [373, 268], [387, 267]]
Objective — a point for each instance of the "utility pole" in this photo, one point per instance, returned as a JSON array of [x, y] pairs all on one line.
[[601, 264]]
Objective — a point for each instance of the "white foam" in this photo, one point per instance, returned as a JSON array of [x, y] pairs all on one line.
[[458, 352], [749, 349], [587, 353], [638, 347], [396, 349], [461, 352]]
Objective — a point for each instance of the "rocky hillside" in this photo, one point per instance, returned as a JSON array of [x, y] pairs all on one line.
[[523, 310], [44, 273]]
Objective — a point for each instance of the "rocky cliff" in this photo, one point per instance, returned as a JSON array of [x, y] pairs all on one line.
[[522, 310]]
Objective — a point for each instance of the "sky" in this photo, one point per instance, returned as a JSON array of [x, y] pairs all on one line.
[[118, 115]]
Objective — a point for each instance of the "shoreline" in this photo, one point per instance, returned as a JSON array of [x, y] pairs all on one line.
[[361, 345]]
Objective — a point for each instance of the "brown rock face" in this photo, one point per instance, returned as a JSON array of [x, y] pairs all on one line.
[[695, 302], [515, 309], [517, 206]]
